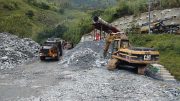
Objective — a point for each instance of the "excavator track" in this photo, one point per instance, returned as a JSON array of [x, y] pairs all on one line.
[[112, 64], [141, 70]]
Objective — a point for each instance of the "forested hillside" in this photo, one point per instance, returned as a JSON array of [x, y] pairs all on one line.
[[68, 19], [40, 19]]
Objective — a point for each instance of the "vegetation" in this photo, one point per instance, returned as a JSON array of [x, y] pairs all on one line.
[[128, 7], [40, 19], [168, 45]]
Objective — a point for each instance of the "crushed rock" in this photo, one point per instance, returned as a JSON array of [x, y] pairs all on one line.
[[85, 55], [15, 51], [96, 83], [100, 84]]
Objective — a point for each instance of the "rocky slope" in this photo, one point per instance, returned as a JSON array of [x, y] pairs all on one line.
[[15, 51], [126, 22]]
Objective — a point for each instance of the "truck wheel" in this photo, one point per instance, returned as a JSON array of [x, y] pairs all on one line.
[[42, 58], [57, 58], [112, 64], [61, 52]]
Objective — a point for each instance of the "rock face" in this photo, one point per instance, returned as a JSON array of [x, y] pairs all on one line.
[[15, 51], [126, 22]]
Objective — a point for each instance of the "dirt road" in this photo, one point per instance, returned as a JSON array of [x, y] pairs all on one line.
[[28, 80]]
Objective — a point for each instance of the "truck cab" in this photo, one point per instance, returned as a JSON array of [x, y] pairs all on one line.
[[51, 49]]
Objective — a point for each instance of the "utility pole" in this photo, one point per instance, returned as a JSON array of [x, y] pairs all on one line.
[[149, 12]]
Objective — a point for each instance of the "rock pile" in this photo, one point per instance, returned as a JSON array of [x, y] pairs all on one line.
[[15, 51], [85, 55]]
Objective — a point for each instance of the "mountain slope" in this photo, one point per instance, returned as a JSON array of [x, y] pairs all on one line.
[[26, 19], [39, 19], [70, 19]]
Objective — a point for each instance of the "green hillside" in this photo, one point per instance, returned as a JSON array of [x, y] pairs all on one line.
[[28, 18], [84, 4], [40, 19], [69, 19]]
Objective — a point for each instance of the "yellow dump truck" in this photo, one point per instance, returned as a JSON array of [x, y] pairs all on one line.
[[52, 48]]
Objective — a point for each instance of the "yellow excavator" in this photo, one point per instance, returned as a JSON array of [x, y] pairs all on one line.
[[122, 51]]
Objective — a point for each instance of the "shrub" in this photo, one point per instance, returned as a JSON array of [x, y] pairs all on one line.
[[61, 11], [123, 10], [53, 32], [44, 6], [41, 5], [10, 6], [29, 13], [97, 13]]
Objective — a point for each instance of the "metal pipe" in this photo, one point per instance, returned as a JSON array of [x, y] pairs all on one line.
[[102, 25]]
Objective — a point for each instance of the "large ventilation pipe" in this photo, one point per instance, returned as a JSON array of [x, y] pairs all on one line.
[[100, 24]]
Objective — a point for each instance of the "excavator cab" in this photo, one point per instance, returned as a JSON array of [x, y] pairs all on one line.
[[124, 44], [120, 44], [115, 45]]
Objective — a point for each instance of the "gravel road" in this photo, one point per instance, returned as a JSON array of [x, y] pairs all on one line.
[[85, 80], [28, 80]]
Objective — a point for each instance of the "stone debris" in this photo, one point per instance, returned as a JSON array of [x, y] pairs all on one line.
[[15, 51], [82, 76], [85, 55], [122, 23], [95, 83], [99, 84]]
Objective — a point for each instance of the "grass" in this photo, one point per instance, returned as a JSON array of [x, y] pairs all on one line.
[[168, 45]]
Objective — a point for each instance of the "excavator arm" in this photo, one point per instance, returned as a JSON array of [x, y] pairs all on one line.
[[111, 37], [113, 32]]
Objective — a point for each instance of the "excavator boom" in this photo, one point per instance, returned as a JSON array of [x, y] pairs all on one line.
[[113, 32], [111, 37]]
